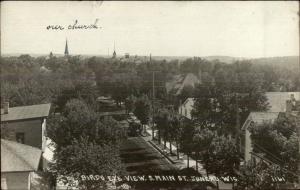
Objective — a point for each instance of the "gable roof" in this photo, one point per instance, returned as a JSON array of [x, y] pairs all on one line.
[[191, 100], [16, 157], [26, 112], [260, 118], [180, 81], [277, 100]]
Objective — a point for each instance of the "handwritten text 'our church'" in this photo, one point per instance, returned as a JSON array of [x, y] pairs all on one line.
[[75, 26]]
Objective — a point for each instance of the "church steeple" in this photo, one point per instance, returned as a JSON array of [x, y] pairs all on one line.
[[114, 54], [66, 49]]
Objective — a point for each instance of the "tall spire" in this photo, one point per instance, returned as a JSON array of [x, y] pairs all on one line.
[[114, 54], [66, 48]]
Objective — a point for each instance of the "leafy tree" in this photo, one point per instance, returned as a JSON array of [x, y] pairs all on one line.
[[258, 176], [187, 92], [222, 157], [163, 124], [160, 121], [186, 141], [129, 103], [83, 157], [202, 139], [207, 108], [142, 109], [81, 90], [84, 144], [223, 102], [279, 141], [78, 120], [176, 131]]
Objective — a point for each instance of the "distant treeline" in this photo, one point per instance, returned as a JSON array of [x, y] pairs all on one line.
[[28, 80]]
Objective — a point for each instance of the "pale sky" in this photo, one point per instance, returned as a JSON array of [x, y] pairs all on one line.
[[240, 29]]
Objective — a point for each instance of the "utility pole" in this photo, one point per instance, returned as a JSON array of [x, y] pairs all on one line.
[[298, 133], [298, 122], [237, 130], [237, 135], [153, 97]]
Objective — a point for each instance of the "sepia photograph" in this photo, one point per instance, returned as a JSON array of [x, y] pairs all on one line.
[[150, 95]]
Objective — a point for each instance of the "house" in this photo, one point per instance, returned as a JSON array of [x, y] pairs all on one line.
[[19, 162], [106, 103], [254, 118], [186, 108], [134, 59], [280, 103], [277, 100], [178, 82], [25, 124]]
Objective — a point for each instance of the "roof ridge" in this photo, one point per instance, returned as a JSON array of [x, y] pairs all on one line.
[[4, 142], [27, 112], [31, 105]]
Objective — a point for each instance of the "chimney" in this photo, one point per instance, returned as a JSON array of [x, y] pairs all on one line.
[[6, 107], [291, 104]]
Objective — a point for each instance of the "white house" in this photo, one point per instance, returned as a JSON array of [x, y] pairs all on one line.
[[279, 102], [186, 108], [254, 118]]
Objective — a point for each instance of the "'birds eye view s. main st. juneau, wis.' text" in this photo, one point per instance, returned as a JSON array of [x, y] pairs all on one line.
[[143, 116]]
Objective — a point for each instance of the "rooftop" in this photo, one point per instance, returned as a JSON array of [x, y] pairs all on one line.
[[277, 100], [26, 112], [260, 118], [16, 157], [180, 81], [192, 100]]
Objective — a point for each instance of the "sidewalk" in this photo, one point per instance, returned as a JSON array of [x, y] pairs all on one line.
[[182, 162]]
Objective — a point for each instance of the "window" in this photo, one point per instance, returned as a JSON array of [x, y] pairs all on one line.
[[20, 137]]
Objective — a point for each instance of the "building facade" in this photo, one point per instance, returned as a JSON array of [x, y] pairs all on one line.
[[279, 103], [19, 162], [26, 124], [186, 108]]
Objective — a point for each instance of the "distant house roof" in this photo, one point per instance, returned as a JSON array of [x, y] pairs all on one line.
[[44, 69], [277, 100], [105, 100], [191, 100], [26, 112], [16, 157], [260, 118], [180, 81]]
